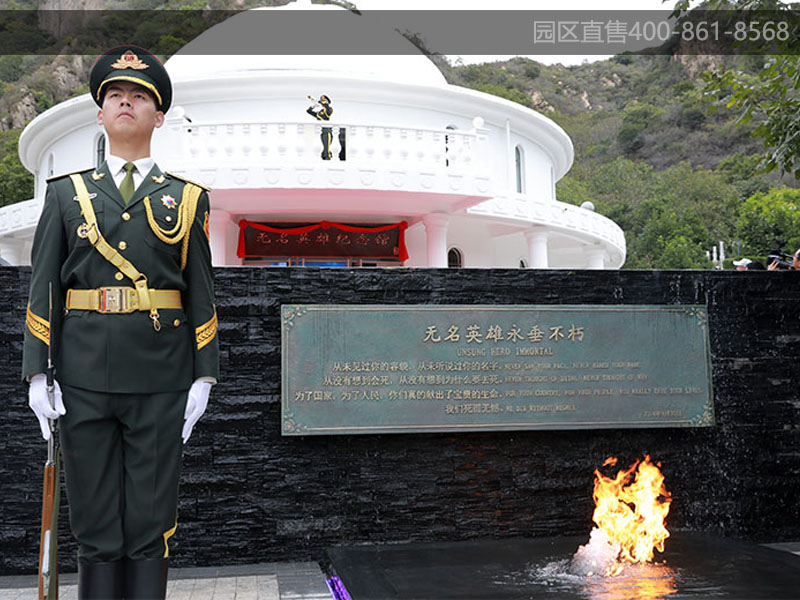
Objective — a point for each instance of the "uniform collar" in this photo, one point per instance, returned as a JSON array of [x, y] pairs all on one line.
[[103, 178], [143, 165]]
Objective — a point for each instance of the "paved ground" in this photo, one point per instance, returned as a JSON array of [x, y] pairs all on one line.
[[269, 581]]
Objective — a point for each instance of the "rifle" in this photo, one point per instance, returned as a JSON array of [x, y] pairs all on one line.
[[48, 544]]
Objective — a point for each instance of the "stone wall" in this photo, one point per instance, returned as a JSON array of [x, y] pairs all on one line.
[[249, 495]]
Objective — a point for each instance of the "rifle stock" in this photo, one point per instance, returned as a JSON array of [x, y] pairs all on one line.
[[48, 544]]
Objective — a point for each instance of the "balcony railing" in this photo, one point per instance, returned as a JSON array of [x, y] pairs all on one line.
[[298, 143], [20, 218], [558, 216]]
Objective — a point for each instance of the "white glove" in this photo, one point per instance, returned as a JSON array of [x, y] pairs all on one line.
[[195, 406], [40, 403]]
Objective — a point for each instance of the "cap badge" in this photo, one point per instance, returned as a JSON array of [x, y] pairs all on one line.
[[129, 61], [168, 201]]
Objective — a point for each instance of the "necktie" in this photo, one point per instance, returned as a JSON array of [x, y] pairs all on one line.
[[126, 186]]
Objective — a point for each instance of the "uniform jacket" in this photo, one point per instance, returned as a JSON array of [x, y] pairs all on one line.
[[321, 114], [121, 353]]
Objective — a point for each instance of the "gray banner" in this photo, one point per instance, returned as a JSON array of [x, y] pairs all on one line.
[[393, 369], [327, 32]]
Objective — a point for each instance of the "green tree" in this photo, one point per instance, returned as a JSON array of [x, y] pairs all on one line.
[[670, 218], [768, 217], [532, 71], [10, 67], [770, 98], [635, 121], [669, 238], [503, 92], [702, 194], [622, 180], [741, 170], [16, 183], [486, 73], [681, 253]]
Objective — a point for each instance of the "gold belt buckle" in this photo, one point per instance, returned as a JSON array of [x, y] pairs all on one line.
[[114, 300]]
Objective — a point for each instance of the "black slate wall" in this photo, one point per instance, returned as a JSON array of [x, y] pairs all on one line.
[[249, 495]]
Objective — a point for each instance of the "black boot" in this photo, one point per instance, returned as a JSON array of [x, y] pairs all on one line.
[[146, 579], [100, 581]]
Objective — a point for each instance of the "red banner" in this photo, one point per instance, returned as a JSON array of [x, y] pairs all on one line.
[[323, 240]]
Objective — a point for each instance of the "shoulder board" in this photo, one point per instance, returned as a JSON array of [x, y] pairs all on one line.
[[182, 178], [54, 177]]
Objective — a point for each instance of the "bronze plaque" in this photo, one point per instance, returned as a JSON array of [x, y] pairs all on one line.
[[416, 368]]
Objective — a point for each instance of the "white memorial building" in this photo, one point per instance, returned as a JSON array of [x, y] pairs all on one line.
[[431, 174]]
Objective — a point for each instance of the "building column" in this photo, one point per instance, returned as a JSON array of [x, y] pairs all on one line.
[[537, 249], [173, 131], [596, 258], [436, 238], [218, 236]]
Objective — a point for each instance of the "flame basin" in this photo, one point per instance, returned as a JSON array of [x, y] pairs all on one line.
[[692, 566]]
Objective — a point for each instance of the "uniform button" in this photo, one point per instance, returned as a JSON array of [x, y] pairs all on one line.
[[126, 216], [122, 245], [119, 276], [168, 219], [177, 322]]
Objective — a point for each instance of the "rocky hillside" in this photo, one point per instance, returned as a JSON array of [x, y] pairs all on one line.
[[646, 108]]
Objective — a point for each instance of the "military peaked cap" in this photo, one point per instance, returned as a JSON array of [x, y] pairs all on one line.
[[134, 64]]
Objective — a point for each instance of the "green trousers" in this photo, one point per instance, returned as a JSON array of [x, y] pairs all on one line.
[[122, 460]]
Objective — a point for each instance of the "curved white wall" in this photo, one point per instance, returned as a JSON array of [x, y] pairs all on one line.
[[404, 127]]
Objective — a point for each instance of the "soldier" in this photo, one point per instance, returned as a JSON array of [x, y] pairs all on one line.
[[134, 333], [322, 110]]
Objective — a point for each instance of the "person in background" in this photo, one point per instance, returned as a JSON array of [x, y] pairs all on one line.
[[745, 264], [322, 110], [795, 266]]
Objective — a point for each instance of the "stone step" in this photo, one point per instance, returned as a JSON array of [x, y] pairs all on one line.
[[267, 581]]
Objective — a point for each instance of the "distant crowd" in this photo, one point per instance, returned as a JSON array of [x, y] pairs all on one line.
[[774, 263]]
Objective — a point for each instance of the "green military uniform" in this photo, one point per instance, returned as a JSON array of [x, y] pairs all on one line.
[[106, 360], [324, 113], [123, 353], [126, 349]]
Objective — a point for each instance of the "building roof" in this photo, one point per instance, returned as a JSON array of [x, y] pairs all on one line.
[[249, 42]]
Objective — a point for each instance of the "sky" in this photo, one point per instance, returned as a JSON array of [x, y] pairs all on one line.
[[520, 5]]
